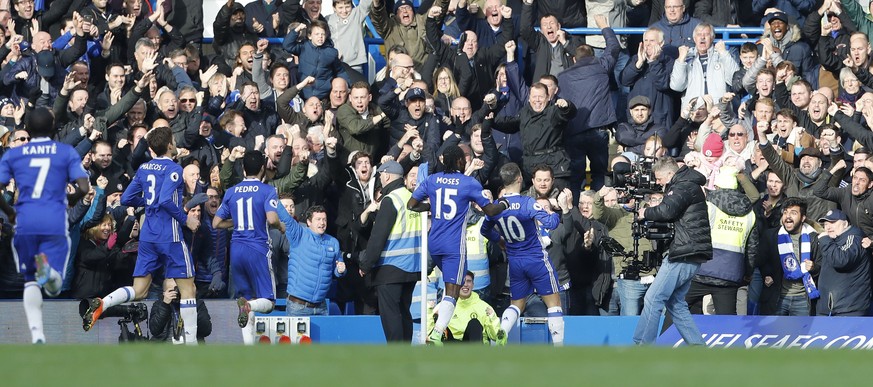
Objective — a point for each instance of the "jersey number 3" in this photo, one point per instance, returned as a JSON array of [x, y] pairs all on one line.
[[445, 198]]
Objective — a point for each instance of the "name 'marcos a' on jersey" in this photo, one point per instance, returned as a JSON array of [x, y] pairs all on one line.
[[450, 195]]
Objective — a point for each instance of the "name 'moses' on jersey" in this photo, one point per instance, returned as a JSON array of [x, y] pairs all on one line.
[[450, 195]]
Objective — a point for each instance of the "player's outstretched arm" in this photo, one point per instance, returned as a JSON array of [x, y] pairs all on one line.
[[494, 209], [414, 205]]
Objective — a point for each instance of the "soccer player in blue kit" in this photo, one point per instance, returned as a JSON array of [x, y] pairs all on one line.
[[530, 267], [158, 187], [42, 168], [249, 208], [450, 193]]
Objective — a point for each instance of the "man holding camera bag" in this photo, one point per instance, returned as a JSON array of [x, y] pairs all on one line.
[[684, 204]]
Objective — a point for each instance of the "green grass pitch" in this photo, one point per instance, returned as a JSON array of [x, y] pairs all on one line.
[[163, 365]]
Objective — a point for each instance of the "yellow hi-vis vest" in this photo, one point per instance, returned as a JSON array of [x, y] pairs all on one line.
[[729, 234], [477, 255], [404, 243]]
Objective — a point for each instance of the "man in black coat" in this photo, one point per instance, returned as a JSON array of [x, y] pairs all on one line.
[[684, 205]]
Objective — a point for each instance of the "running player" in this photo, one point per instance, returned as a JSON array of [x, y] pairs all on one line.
[[42, 168], [450, 193], [530, 267], [249, 208], [158, 187]]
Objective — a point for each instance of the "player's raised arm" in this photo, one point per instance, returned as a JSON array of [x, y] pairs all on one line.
[[494, 209]]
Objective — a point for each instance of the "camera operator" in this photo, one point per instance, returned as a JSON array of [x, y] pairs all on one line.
[[165, 323], [630, 288], [685, 205]]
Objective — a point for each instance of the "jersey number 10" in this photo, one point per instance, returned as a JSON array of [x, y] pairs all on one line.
[[512, 229]]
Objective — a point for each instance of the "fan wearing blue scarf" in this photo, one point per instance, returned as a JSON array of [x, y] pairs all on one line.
[[797, 248]]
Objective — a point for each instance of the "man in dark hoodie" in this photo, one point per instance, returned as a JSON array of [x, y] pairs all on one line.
[[854, 199], [734, 248], [684, 204], [634, 134]]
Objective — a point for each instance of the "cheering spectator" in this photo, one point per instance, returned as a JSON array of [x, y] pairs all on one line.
[[318, 58], [845, 268]]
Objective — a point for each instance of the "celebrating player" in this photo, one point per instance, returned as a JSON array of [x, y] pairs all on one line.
[[530, 267], [248, 208], [41, 246], [450, 193], [157, 186]]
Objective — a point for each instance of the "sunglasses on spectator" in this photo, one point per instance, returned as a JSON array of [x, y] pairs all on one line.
[[22, 139], [188, 100], [734, 134]]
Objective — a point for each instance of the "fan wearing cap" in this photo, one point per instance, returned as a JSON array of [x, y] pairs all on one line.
[[709, 159], [412, 120], [799, 181], [732, 223], [230, 33], [41, 74], [634, 133], [402, 28], [844, 280], [783, 42]]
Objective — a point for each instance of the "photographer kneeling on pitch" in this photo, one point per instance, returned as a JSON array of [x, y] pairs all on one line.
[[165, 323]]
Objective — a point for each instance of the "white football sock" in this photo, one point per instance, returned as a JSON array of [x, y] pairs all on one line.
[[261, 305], [509, 318], [446, 310], [188, 312], [33, 310], [118, 297], [556, 325]]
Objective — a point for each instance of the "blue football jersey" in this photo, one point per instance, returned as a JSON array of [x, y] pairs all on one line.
[[248, 203], [517, 225], [450, 195], [157, 186], [41, 170]]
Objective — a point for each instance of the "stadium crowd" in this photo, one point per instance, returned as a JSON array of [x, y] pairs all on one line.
[[779, 128]]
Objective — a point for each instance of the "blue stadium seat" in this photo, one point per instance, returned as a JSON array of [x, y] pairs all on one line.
[[333, 309], [350, 308]]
